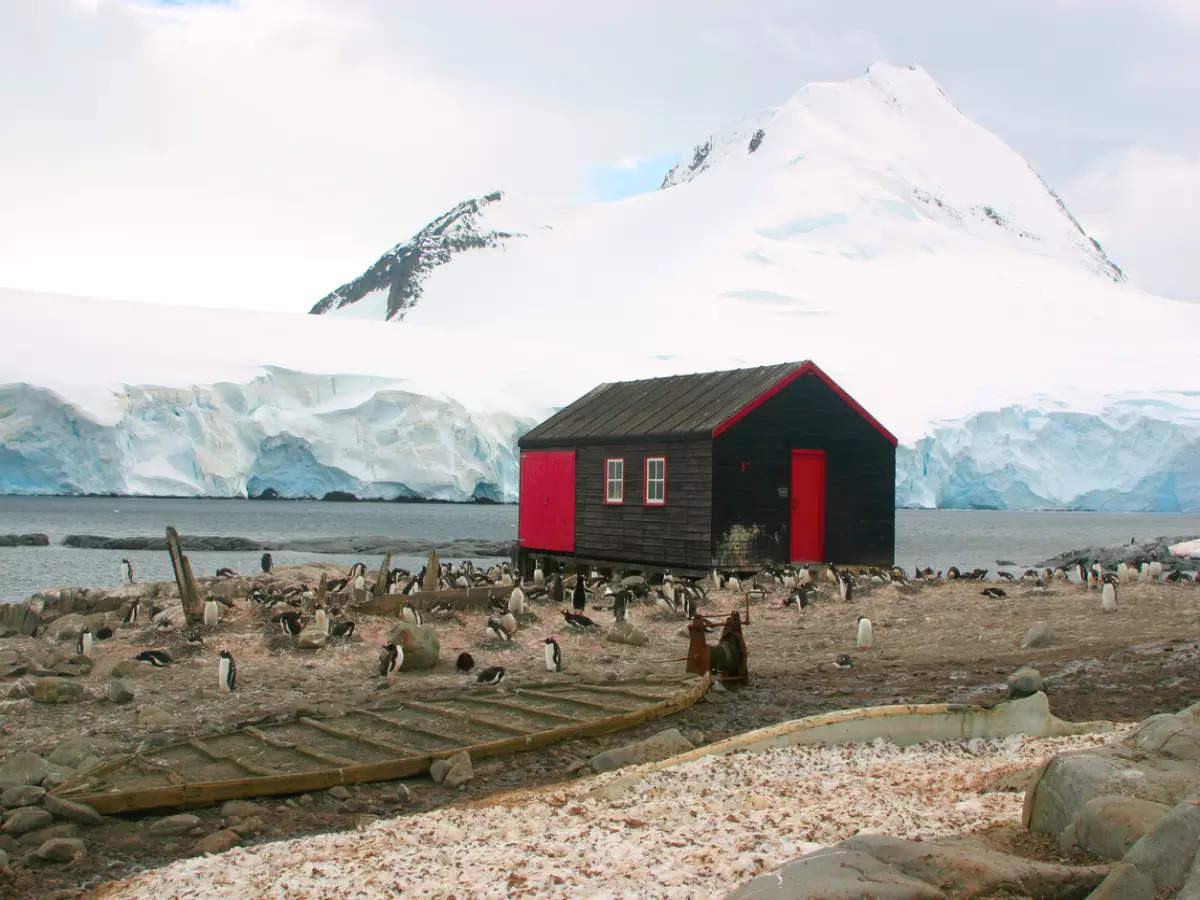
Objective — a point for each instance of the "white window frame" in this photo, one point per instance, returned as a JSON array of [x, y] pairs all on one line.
[[611, 481], [661, 481]]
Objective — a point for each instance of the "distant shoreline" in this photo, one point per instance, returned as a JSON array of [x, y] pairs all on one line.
[[331, 497]]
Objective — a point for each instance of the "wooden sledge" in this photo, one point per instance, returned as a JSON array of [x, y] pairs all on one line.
[[379, 743]]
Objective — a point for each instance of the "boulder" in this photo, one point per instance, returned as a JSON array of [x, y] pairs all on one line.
[[23, 768], [623, 631], [72, 811], [21, 795], [460, 771], [153, 717], [72, 667], [242, 808], [310, 639], [420, 643], [61, 850], [660, 746], [438, 769], [18, 618], [339, 792], [889, 868], [218, 841], [169, 826], [1025, 682], [57, 690], [74, 752], [1038, 635], [119, 690], [4, 868], [26, 818], [126, 668], [1108, 826]]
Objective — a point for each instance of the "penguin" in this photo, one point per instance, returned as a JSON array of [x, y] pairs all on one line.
[[578, 620], [497, 631], [131, 615], [952, 573], [1108, 597], [266, 563], [843, 661], [516, 600], [465, 663], [691, 601], [994, 592], [491, 675], [83, 646], [226, 672], [845, 587], [291, 622], [360, 583], [620, 605], [556, 588], [390, 660], [800, 597], [734, 584], [357, 570], [1123, 573], [553, 655], [321, 620], [539, 577], [103, 633], [717, 580], [509, 622], [665, 600], [157, 658], [344, 628], [579, 598], [1156, 571], [866, 634], [212, 613], [126, 572], [410, 613], [226, 573], [1005, 576]]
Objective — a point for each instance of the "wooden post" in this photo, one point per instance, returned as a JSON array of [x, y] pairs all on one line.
[[381, 580], [193, 610], [432, 572], [321, 589]]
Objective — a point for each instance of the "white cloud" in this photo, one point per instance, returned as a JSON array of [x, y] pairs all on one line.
[[1141, 204]]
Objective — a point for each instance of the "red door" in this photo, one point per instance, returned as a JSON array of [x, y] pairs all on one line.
[[808, 505], [547, 515]]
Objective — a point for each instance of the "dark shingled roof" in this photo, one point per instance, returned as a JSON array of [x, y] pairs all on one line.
[[672, 408]]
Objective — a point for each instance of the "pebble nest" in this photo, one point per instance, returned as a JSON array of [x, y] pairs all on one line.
[[695, 830]]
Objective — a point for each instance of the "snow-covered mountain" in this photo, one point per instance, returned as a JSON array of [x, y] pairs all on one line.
[[867, 225]]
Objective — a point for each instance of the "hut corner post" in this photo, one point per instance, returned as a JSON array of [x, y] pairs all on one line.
[[381, 580], [193, 612], [433, 571]]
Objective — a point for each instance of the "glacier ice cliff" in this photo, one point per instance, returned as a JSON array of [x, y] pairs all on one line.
[[284, 433]]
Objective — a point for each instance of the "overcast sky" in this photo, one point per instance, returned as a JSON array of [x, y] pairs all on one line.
[[258, 153]]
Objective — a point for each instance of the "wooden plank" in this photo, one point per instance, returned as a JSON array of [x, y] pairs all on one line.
[[248, 766], [437, 736], [357, 738], [564, 698], [465, 717], [279, 744], [524, 710]]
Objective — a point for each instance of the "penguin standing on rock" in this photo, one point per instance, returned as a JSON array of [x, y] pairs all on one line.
[[212, 612], [135, 609], [126, 572], [226, 672], [83, 647], [553, 655], [866, 633]]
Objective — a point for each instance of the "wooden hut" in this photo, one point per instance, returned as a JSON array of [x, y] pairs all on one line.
[[733, 470]]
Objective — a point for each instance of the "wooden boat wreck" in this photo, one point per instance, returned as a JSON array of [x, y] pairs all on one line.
[[394, 739]]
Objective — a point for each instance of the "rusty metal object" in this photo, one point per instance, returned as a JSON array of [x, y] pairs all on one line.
[[728, 657]]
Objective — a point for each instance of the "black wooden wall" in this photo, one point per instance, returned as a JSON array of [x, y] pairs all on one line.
[[675, 534], [750, 517]]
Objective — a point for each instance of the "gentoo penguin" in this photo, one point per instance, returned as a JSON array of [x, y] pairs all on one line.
[[516, 600], [717, 580], [212, 612], [491, 675], [845, 587], [1005, 576], [734, 584], [994, 592], [497, 631], [321, 620], [360, 583], [539, 577], [1144, 571], [131, 616], [157, 658], [1123, 573], [291, 622], [620, 605], [126, 572], [556, 588], [952, 573], [866, 634], [410, 613], [579, 598], [553, 655], [266, 562], [390, 660], [226, 672], [83, 646], [509, 622], [1108, 597], [1156, 570], [226, 573], [344, 628], [844, 661], [103, 633], [357, 569], [578, 620], [664, 598], [465, 663]]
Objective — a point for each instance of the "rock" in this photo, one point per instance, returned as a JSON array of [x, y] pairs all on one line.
[[74, 752], [218, 841], [438, 769], [23, 768], [1038, 635], [310, 639], [339, 792], [242, 808], [19, 618], [72, 811], [57, 830], [249, 825], [893, 869], [1025, 682], [56, 776], [1108, 826], [623, 631], [460, 771], [26, 818], [403, 794], [180, 823], [126, 668], [153, 717], [696, 736], [420, 643], [119, 690], [61, 850], [1124, 882], [4, 869], [172, 616], [73, 667], [660, 746], [57, 690], [21, 795], [19, 690], [1166, 852]]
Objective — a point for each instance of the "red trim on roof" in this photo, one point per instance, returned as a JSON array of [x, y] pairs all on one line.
[[806, 369]]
